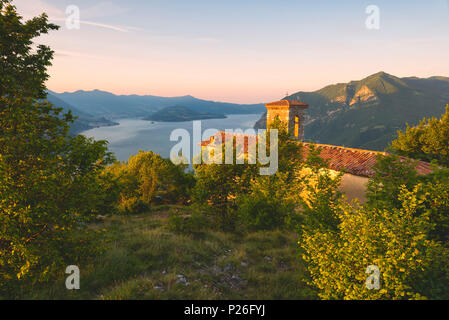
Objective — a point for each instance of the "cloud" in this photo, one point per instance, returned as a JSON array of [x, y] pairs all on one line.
[[62, 53], [30, 9], [100, 25]]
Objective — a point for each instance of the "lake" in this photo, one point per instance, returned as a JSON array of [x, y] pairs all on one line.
[[132, 135]]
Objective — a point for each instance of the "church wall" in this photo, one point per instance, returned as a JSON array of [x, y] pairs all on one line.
[[354, 187]]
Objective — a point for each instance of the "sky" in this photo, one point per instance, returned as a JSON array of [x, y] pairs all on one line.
[[242, 51]]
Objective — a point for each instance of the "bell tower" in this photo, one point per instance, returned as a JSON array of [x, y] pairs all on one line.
[[290, 111]]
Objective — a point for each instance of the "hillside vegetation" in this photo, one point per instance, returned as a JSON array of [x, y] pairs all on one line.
[[368, 113], [181, 113], [145, 259], [83, 121]]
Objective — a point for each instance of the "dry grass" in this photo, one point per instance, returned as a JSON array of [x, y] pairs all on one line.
[[144, 260]]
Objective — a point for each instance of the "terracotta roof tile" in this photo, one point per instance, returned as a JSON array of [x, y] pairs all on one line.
[[358, 162]]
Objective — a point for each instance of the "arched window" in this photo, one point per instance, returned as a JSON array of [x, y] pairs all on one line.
[[296, 126]]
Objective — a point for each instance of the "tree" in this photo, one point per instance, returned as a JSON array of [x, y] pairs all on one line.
[[147, 177], [50, 183], [218, 187], [428, 141], [390, 173], [267, 205]]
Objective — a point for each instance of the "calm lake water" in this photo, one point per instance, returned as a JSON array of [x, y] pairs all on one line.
[[132, 135]]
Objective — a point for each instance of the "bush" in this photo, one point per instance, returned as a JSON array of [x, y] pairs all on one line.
[[427, 141], [267, 206], [258, 212], [148, 179], [133, 206], [398, 242]]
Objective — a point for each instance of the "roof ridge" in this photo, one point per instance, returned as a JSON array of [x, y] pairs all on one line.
[[345, 148]]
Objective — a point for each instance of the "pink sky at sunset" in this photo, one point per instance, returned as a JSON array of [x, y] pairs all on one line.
[[247, 52]]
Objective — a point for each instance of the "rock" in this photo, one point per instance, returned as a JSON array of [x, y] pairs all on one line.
[[243, 264], [268, 259], [182, 280], [238, 282]]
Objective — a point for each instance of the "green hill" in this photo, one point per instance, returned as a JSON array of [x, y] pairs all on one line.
[[368, 113], [181, 113]]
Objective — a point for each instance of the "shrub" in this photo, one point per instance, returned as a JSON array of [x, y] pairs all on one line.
[[267, 205], [258, 212], [133, 206], [398, 241], [148, 179], [428, 141]]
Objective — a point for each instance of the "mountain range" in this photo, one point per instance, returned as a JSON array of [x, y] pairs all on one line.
[[84, 121], [368, 113], [104, 104]]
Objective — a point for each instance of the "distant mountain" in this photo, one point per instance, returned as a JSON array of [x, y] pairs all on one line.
[[368, 113], [84, 120], [181, 113], [104, 104]]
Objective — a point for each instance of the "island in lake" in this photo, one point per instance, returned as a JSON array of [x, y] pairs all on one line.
[[181, 113]]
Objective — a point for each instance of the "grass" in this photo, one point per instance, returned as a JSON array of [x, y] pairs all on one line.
[[145, 260]]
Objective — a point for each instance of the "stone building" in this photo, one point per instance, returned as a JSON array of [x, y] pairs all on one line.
[[356, 164], [290, 111]]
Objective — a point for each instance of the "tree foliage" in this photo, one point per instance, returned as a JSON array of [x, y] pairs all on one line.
[[147, 178], [402, 229], [428, 141], [50, 183], [412, 265]]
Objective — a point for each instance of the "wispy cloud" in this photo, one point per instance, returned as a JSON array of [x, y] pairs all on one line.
[[33, 8], [74, 54], [100, 25]]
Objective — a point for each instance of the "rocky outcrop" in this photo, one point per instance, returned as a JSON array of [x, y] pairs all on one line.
[[363, 95]]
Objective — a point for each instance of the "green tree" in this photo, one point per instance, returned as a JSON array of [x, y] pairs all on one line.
[[428, 141], [267, 205], [50, 183], [147, 178], [319, 194], [391, 172], [412, 265], [218, 187]]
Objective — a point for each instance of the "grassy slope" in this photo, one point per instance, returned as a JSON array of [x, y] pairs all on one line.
[[143, 261]]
